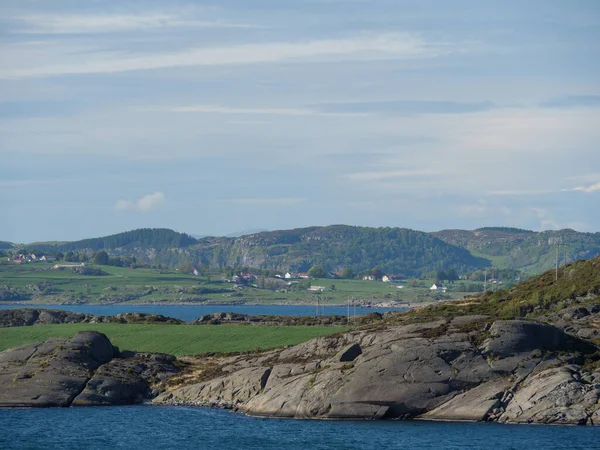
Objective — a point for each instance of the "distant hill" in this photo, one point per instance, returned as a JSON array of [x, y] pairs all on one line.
[[144, 238], [529, 251], [246, 232], [5, 245], [393, 250]]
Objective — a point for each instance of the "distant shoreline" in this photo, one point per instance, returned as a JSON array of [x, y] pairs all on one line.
[[404, 306]]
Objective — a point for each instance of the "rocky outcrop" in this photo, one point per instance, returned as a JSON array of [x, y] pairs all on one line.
[[463, 368], [26, 316], [20, 317], [82, 370], [558, 395], [448, 369]]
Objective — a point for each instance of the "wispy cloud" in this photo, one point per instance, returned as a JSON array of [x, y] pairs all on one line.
[[391, 174], [588, 189], [143, 204], [522, 192], [84, 24], [264, 201], [386, 46], [248, 111], [573, 101], [407, 107]]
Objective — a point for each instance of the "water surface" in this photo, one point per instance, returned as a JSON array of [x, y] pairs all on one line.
[[146, 427], [192, 312]]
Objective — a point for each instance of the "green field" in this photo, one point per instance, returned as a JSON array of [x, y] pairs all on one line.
[[39, 284], [176, 340]]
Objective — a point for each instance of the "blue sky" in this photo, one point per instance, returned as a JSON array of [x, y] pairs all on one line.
[[210, 118]]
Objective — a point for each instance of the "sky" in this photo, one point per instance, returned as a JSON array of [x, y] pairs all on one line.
[[216, 117]]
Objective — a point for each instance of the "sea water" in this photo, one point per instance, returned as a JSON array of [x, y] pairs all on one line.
[[192, 312], [158, 427]]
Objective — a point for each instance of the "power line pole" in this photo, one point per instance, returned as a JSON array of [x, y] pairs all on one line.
[[556, 262], [317, 297], [485, 281], [348, 310]]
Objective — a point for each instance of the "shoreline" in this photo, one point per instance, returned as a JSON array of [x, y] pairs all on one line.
[[337, 305]]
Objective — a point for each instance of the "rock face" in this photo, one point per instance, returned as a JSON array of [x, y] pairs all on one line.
[[21, 317], [442, 370], [82, 370], [26, 316]]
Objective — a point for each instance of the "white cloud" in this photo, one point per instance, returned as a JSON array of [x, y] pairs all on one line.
[[94, 61], [588, 189], [146, 203], [81, 24], [547, 221]]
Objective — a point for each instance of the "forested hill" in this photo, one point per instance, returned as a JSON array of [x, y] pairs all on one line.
[[144, 238], [393, 250], [529, 251]]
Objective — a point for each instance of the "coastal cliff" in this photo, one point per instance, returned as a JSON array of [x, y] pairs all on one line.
[[459, 369]]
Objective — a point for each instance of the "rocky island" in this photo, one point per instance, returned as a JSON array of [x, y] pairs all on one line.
[[525, 355]]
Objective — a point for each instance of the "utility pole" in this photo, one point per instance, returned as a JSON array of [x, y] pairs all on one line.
[[556, 262], [317, 297], [485, 281], [348, 311]]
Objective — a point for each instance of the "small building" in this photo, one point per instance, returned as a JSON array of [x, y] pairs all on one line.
[[437, 287], [317, 288], [395, 278]]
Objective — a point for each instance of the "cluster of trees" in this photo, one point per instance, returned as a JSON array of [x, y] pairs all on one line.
[[440, 276], [102, 258], [158, 238]]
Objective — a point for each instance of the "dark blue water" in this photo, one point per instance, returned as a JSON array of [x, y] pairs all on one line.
[[145, 427], [192, 312]]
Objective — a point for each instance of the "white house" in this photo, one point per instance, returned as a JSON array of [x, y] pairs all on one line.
[[288, 275], [437, 287]]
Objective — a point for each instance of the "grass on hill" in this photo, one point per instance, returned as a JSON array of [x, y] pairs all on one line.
[[578, 282], [37, 283], [176, 340]]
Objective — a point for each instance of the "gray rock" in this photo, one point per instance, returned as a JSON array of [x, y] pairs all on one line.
[[52, 373], [415, 370], [556, 395], [510, 337], [473, 405], [125, 381], [27, 316], [81, 370]]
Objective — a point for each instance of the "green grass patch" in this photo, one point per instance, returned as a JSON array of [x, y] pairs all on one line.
[[176, 340]]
